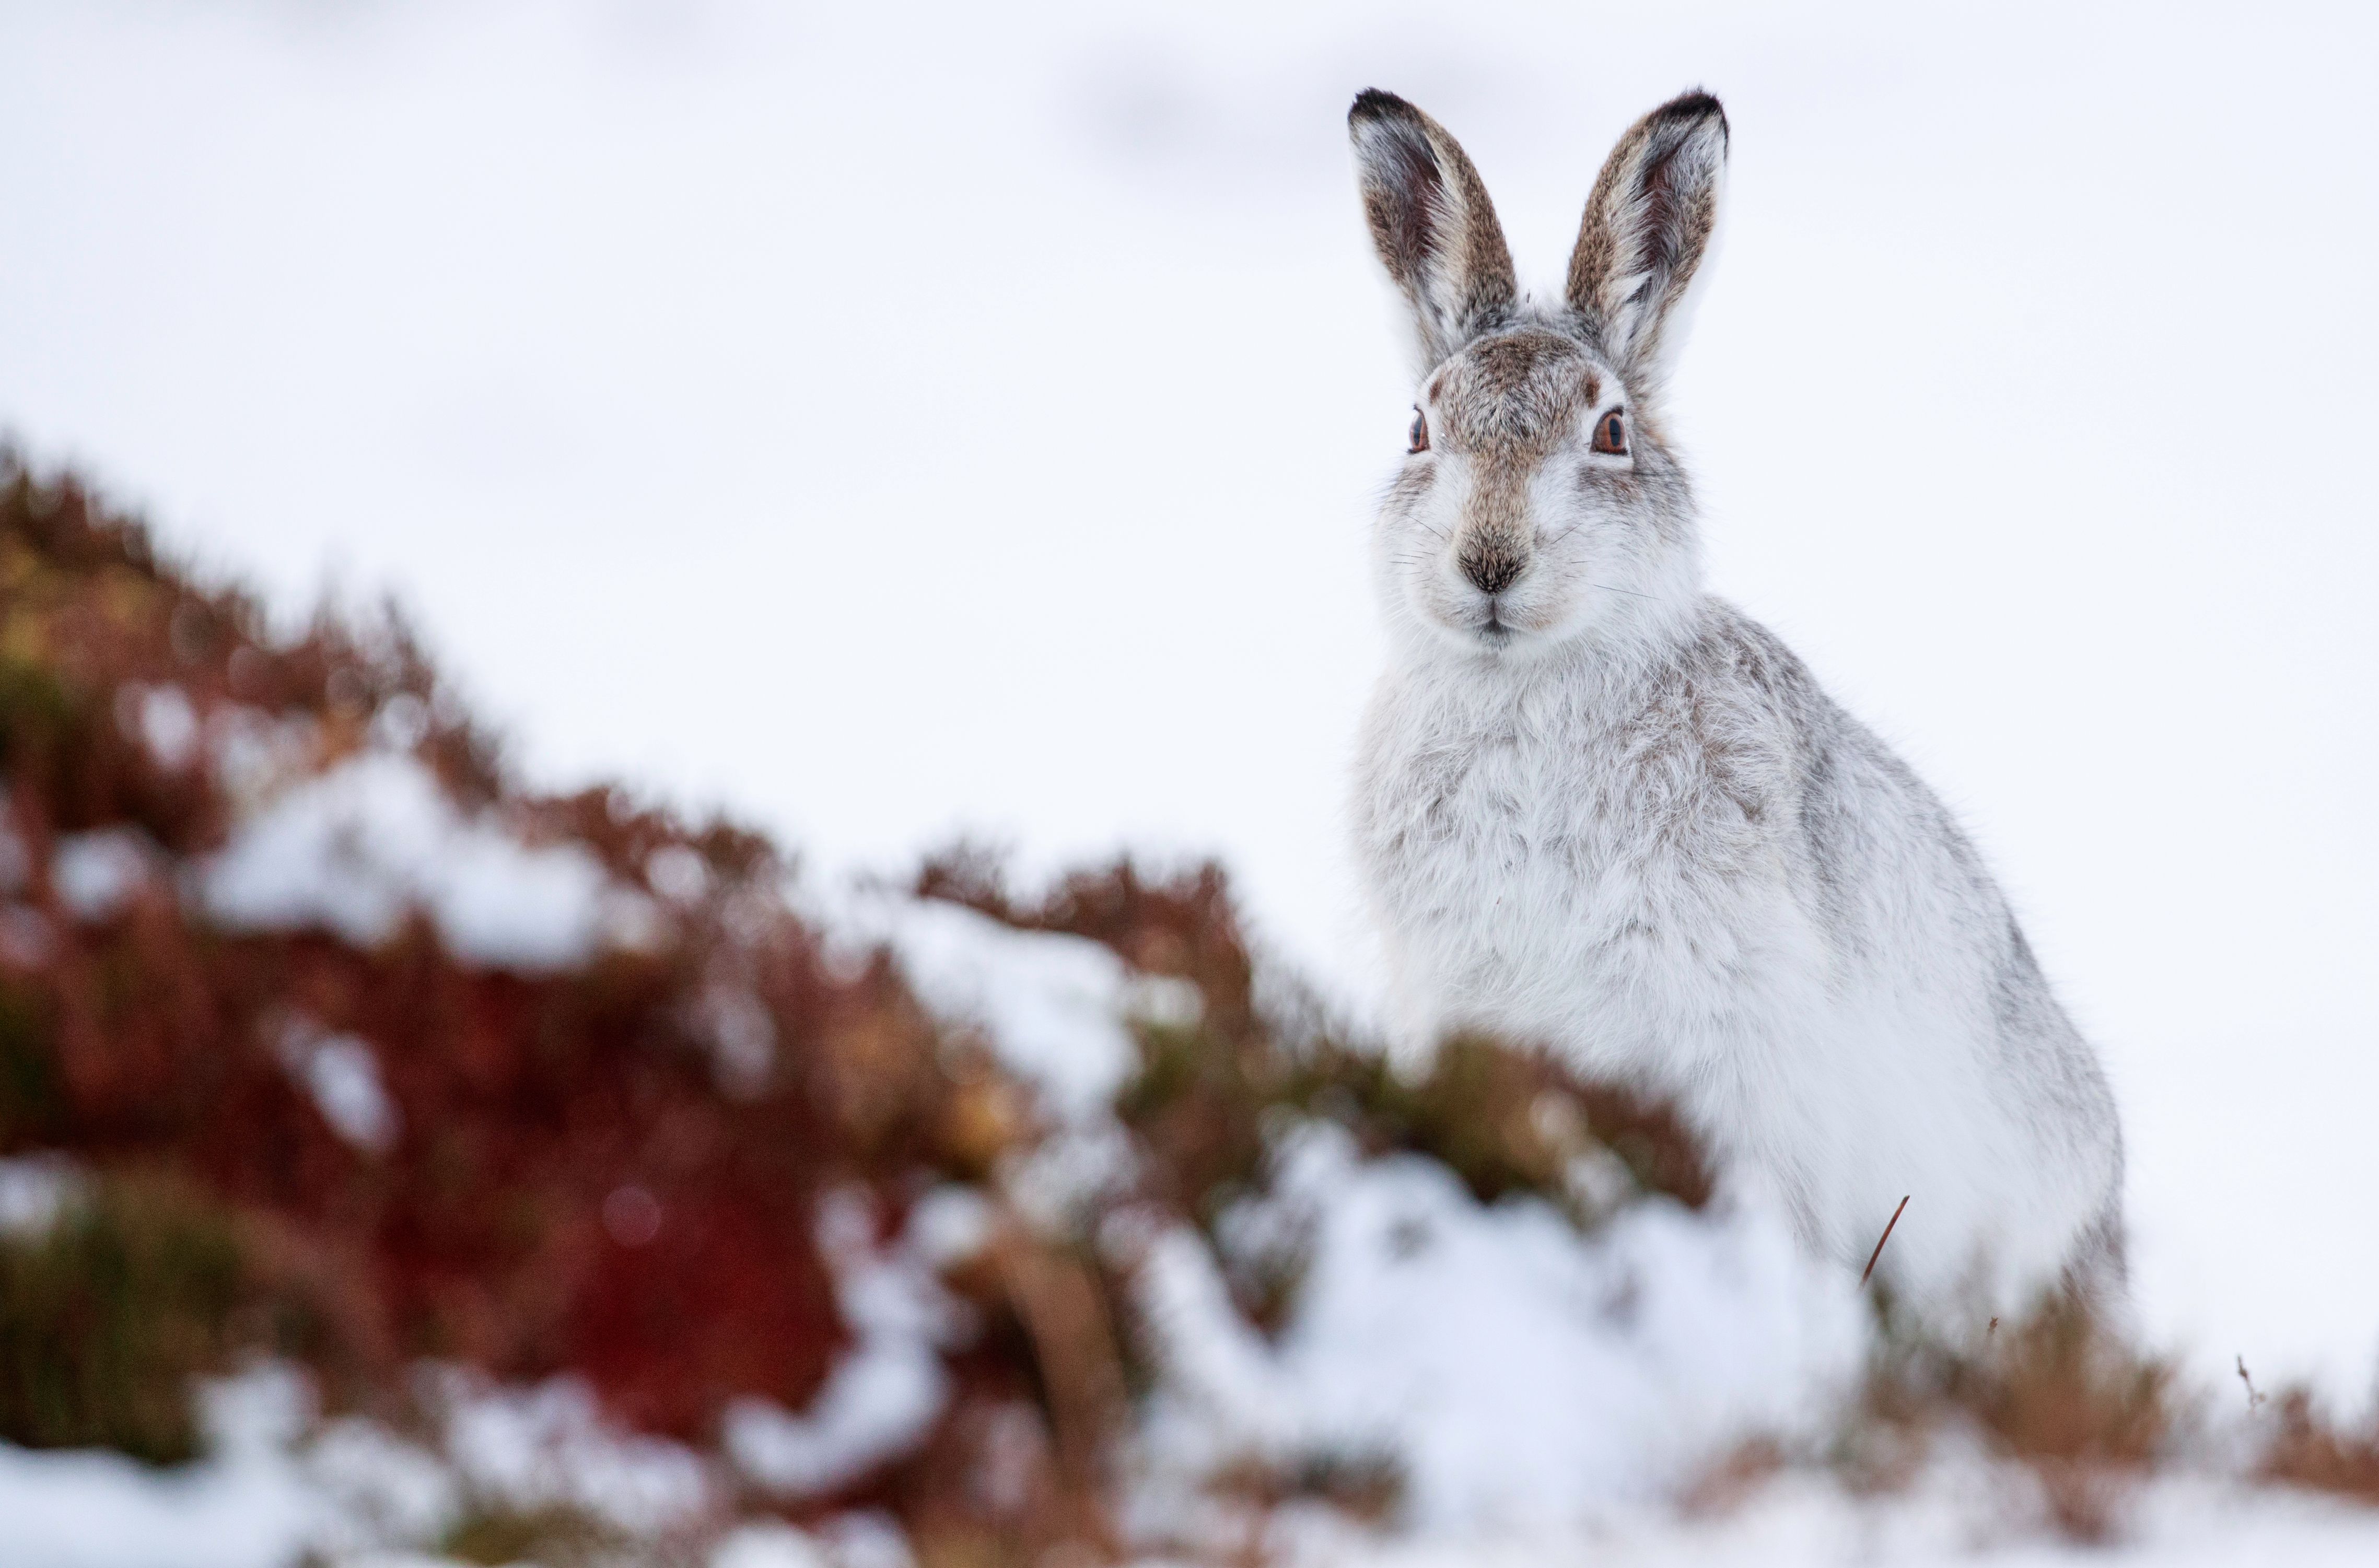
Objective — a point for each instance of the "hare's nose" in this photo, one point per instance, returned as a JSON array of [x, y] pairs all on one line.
[[1493, 570]]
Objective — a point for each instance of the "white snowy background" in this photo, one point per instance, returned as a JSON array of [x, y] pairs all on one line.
[[888, 419]]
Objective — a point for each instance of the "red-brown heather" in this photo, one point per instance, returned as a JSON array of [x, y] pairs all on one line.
[[145, 1040], [231, 1217]]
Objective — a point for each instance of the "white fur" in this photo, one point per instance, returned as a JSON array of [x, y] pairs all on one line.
[[1622, 822]]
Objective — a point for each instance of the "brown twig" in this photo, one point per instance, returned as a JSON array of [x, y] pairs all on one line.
[[2255, 1395], [1868, 1272]]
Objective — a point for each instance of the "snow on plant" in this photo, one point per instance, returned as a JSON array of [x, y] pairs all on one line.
[[358, 848]]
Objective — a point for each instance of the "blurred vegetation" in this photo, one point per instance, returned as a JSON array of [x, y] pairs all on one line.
[[1208, 1094], [109, 1314], [553, 1536], [2060, 1391], [2311, 1449]]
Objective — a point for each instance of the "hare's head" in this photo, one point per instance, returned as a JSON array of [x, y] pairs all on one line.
[[1539, 502]]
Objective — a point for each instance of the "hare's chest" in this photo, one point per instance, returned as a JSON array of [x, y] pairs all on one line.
[[1533, 881]]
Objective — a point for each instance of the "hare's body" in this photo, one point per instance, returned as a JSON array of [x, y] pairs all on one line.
[[1598, 809], [1696, 873]]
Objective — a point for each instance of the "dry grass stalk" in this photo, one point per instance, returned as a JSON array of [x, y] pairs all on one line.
[[1876, 1256]]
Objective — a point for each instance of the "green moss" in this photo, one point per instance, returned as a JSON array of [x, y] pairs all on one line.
[[108, 1315], [30, 1102], [555, 1536], [36, 709]]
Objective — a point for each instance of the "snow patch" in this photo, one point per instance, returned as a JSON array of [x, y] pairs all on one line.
[[245, 1504], [677, 874], [847, 1540], [1054, 1008], [163, 721], [550, 1445], [1512, 1370], [342, 1074], [254, 754], [357, 848], [379, 1487], [881, 1398], [34, 1191], [770, 1546], [96, 873], [741, 1034]]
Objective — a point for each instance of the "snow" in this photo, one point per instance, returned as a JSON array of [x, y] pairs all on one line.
[[381, 1488], [550, 1445], [275, 1484], [97, 872], [342, 1074], [1513, 1370], [357, 848], [867, 1539], [769, 1546], [883, 1396], [1962, 1512], [740, 1031], [1054, 1008], [677, 874], [163, 720], [245, 1505], [355, 1495], [33, 1189], [254, 754], [948, 1225], [847, 1540]]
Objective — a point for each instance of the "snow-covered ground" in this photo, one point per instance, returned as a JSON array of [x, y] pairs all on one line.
[[1535, 1393], [359, 1498]]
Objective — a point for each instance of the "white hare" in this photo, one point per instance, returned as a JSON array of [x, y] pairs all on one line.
[[1599, 809]]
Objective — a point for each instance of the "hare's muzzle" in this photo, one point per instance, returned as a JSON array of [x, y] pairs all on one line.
[[1491, 548], [1493, 570]]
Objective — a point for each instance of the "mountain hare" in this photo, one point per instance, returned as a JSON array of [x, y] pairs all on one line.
[[1598, 809]]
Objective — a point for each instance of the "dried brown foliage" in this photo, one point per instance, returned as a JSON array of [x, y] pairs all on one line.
[[2308, 1449], [2058, 1392]]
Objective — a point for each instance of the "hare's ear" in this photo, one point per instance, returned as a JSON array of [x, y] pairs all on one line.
[[1647, 227], [1431, 221]]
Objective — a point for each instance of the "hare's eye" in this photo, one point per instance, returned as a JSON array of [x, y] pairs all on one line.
[[1418, 438], [1611, 434]]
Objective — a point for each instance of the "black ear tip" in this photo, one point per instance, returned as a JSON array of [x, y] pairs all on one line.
[[1694, 104], [1372, 103]]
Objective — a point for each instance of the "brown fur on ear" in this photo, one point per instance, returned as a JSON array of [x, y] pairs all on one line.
[[1430, 219], [1648, 223]]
